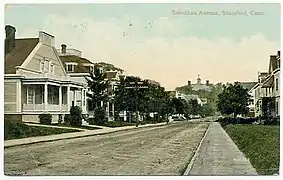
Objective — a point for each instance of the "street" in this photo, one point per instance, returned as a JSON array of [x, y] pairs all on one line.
[[164, 150]]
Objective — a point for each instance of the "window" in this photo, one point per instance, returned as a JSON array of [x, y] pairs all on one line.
[[30, 91], [41, 66], [277, 85], [51, 68], [90, 69], [70, 68]]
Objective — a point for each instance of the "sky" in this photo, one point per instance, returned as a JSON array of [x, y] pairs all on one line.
[[162, 42]]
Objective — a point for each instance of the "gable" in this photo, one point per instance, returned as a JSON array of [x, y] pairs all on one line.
[[22, 49], [47, 54]]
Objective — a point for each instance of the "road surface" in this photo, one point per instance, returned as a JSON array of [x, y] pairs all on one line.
[[164, 150]]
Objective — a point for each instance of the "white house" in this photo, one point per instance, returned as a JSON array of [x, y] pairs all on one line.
[[79, 68], [35, 80], [269, 86]]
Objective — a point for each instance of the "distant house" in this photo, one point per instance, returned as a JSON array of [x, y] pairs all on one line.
[[35, 79], [250, 86], [189, 97]]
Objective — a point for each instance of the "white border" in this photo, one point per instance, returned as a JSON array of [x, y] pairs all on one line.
[[120, 1]]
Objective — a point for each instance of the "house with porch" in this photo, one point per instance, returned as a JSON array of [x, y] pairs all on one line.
[[267, 92], [35, 80], [79, 68]]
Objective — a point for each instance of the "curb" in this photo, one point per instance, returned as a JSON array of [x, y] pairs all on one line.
[[195, 153], [75, 137]]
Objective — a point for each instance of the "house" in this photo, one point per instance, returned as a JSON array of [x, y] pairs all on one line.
[[35, 80], [189, 97], [79, 68], [267, 93], [250, 87]]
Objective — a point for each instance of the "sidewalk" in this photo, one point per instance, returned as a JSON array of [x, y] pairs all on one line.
[[219, 155], [85, 133]]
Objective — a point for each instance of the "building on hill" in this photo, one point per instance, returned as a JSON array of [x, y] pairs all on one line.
[[199, 85]]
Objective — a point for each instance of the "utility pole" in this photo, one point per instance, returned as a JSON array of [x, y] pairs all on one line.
[[136, 86]]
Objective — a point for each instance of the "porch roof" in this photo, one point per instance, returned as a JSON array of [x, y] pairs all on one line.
[[268, 82], [50, 80]]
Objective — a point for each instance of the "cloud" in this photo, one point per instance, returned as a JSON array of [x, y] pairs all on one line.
[[151, 53]]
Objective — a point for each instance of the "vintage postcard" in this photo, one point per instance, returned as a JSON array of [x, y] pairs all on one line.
[[142, 89]]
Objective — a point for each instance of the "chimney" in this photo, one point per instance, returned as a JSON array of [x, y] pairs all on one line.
[[64, 47], [189, 83], [10, 38], [207, 82]]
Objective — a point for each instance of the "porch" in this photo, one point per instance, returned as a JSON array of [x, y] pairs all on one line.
[[51, 97]]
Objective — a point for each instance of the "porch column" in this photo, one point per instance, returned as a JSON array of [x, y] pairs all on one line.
[[75, 98], [113, 111], [45, 95], [85, 100], [68, 97], [108, 113], [82, 98], [60, 97]]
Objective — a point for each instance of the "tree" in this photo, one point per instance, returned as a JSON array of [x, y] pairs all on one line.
[[233, 100], [98, 87]]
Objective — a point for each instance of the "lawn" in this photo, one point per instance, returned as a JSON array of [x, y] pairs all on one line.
[[259, 143], [19, 130]]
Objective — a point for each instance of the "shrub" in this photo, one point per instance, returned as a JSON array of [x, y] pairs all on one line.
[[271, 120], [67, 119], [230, 120], [45, 118], [75, 117], [99, 116]]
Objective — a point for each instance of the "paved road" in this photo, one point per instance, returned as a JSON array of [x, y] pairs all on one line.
[[164, 150]]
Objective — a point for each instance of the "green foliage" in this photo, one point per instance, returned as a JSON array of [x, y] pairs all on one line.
[[233, 100], [19, 130], [98, 86], [268, 106], [259, 143], [99, 118], [45, 119], [154, 98], [75, 117]]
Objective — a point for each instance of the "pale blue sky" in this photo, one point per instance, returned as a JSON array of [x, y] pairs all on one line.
[[170, 34]]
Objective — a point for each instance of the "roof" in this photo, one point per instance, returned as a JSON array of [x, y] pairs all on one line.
[[111, 74], [272, 63], [79, 68], [107, 67], [23, 47], [248, 85]]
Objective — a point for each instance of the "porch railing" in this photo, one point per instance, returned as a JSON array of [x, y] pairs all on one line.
[[43, 107]]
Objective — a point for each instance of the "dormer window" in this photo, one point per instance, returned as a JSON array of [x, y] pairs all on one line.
[[70, 67], [91, 69]]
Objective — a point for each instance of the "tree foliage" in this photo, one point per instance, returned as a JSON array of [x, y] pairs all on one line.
[[233, 100], [99, 91]]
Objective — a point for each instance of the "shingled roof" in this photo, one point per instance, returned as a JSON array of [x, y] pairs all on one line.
[[22, 49], [272, 63], [79, 68], [248, 85]]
